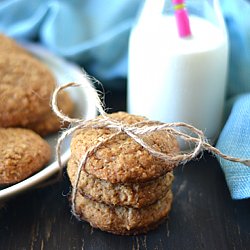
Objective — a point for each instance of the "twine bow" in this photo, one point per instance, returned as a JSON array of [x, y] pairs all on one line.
[[135, 131]]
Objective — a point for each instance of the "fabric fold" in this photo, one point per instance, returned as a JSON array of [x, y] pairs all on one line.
[[234, 140]]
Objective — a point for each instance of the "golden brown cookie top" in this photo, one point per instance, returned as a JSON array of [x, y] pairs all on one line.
[[22, 153], [25, 89], [122, 159]]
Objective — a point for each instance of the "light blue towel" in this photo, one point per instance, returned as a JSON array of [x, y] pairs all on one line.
[[235, 141], [94, 33]]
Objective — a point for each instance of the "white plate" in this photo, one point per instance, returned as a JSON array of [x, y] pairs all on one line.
[[85, 108]]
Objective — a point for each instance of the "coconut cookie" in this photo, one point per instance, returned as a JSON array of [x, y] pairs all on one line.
[[22, 153], [122, 159], [25, 89], [134, 195], [50, 122], [122, 189], [123, 220]]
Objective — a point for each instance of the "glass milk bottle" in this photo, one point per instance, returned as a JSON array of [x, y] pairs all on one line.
[[179, 79]]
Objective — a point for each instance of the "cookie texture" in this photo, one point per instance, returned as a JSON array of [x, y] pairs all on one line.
[[22, 153], [123, 194], [50, 123], [122, 159], [25, 89], [8, 45], [123, 220]]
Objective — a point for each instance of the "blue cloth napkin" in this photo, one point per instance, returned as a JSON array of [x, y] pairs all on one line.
[[234, 140], [94, 34]]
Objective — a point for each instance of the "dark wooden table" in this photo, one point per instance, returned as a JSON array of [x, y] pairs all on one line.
[[203, 215]]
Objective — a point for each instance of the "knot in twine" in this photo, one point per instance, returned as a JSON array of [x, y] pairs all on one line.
[[135, 131]]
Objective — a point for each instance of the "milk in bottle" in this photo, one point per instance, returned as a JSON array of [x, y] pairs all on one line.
[[173, 79]]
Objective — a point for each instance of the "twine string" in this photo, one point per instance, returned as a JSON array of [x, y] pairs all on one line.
[[136, 131]]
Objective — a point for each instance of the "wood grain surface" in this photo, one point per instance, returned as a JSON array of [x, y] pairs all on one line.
[[203, 215]]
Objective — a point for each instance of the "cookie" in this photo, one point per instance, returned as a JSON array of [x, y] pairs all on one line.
[[127, 194], [22, 153], [25, 89], [52, 123], [122, 159], [123, 220], [8, 45]]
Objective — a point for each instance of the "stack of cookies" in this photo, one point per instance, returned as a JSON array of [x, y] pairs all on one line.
[[123, 189], [26, 86]]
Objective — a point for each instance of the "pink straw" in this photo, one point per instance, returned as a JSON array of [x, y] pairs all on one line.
[[182, 19]]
